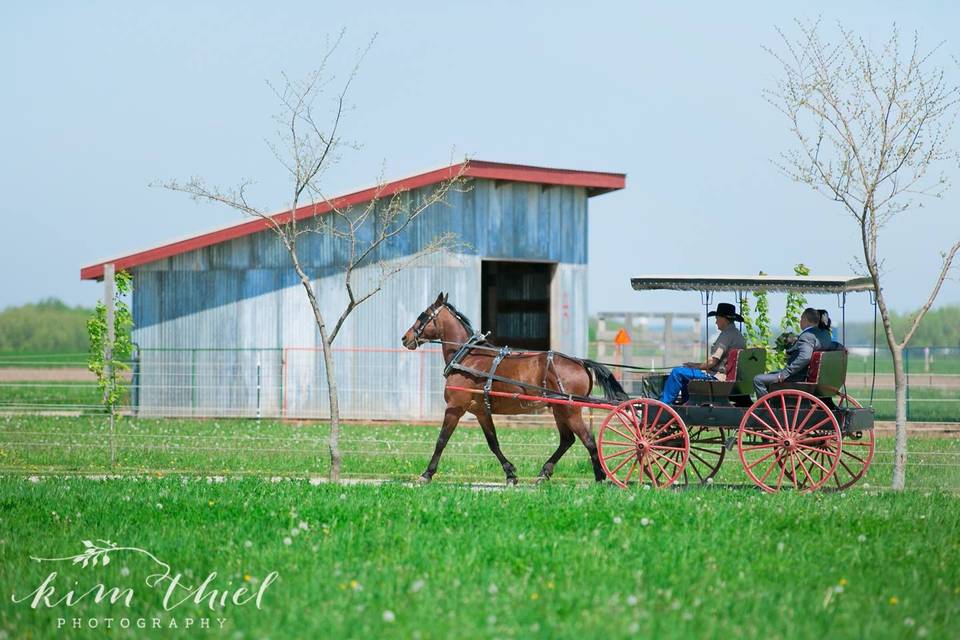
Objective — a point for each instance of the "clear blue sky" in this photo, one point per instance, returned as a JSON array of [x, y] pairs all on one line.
[[102, 98]]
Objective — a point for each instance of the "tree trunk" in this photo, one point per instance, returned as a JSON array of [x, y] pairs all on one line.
[[334, 406], [900, 436]]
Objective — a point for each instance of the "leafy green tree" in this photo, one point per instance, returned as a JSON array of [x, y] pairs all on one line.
[[796, 303], [48, 326], [109, 378]]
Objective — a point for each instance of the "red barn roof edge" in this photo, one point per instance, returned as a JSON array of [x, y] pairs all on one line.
[[595, 182]]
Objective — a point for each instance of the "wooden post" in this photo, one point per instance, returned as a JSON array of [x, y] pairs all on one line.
[[108, 302]]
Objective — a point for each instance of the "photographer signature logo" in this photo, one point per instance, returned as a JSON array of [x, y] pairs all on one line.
[[176, 591]]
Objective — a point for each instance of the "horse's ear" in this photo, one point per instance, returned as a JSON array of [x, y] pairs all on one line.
[[445, 296], [439, 299]]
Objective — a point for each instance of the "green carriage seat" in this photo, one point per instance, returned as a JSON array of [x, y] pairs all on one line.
[[740, 368], [826, 374]]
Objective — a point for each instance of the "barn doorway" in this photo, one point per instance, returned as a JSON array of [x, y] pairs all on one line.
[[515, 303]]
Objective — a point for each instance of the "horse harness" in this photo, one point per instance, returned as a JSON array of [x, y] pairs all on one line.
[[491, 374]]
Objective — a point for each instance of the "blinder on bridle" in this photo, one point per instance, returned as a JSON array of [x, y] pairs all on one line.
[[425, 318]]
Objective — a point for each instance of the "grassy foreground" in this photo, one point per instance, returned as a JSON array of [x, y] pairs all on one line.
[[446, 561]]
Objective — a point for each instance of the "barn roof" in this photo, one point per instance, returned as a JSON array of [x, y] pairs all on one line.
[[595, 182]]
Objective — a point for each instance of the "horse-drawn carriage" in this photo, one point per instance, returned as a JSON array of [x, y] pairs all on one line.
[[805, 435]]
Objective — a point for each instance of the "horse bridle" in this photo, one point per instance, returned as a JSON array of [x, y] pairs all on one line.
[[423, 320]]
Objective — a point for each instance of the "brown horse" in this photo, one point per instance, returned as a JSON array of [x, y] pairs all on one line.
[[564, 374]]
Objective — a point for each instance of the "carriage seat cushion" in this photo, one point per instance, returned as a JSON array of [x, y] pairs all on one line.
[[813, 369], [730, 370]]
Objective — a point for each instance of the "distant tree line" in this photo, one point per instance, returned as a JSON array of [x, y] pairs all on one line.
[[48, 326], [940, 328]]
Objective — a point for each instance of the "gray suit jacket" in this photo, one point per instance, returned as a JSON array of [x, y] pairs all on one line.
[[798, 356]]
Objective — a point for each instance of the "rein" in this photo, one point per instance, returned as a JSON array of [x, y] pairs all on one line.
[[533, 352]]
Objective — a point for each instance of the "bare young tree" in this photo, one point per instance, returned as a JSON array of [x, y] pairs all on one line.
[[307, 149], [873, 129]]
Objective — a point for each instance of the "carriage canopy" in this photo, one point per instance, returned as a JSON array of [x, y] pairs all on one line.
[[806, 284]]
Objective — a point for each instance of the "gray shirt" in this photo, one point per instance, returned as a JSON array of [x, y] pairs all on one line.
[[729, 338]]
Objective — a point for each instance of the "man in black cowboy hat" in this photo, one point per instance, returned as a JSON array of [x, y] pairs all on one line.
[[713, 368]]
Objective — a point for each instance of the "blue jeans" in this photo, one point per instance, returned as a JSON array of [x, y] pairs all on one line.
[[676, 384]]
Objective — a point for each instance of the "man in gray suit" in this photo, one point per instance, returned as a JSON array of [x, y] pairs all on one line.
[[812, 338]]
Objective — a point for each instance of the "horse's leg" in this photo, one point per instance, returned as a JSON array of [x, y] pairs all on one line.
[[566, 440], [579, 427], [450, 419], [486, 423]]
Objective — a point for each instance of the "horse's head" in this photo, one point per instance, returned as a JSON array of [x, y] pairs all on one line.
[[426, 327]]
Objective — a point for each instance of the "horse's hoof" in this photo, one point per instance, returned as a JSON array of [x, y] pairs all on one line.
[[512, 481], [424, 479], [542, 480]]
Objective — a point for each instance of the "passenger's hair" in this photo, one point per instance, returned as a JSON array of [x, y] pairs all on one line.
[[811, 315], [824, 322]]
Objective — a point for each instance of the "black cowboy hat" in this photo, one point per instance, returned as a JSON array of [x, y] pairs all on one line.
[[726, 310]]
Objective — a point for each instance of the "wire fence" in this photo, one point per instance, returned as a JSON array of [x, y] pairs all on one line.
[[375, 384]]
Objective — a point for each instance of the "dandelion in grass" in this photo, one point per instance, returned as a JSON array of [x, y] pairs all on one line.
[[247, 544], [417, 586], [645, 522], [861, 538], [617, 520], [294, 532], [894, 601], [389, 616], [922, 632], [632, 600], [843, 582], [909, 622], [534, 596], [356, 586], [159, 507], [288, 541], [124, 572], [492, 589], [303, 525]]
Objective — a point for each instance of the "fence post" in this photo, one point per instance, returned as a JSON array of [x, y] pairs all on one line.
[[108, 302], [258, 385], [193, 381]]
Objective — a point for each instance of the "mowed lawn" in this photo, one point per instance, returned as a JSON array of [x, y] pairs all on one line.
[[447, 561]]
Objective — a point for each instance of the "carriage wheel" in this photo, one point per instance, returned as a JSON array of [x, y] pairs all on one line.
[[789, 438], [856, 454], [707, 451], [643, 440]]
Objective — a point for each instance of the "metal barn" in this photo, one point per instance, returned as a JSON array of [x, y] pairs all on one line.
[[223, 327]]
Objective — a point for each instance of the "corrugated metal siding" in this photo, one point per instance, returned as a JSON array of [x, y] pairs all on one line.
[[220, 311]]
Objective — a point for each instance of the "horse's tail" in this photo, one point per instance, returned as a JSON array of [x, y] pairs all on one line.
[[612, 390]]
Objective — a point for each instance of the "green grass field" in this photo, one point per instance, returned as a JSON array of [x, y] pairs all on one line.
[[82, 445], [445, 561], [42, 359]]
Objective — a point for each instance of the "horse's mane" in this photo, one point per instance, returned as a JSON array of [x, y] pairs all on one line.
[[465, 321]]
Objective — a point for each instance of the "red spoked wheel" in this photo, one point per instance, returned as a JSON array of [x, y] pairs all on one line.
[[707, 451], [789, 438], [643, 440], [856, 454]]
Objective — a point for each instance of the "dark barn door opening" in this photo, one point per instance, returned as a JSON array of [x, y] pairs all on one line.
[[515, 303]]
